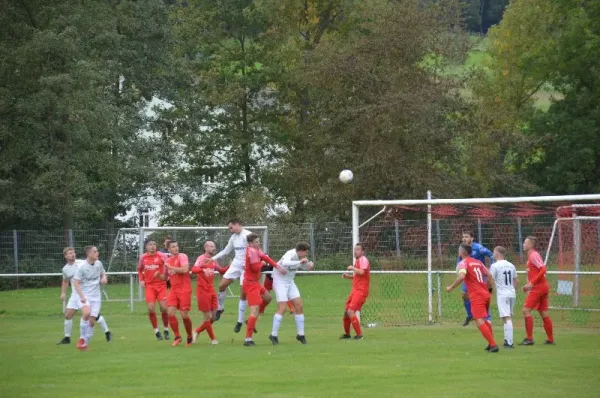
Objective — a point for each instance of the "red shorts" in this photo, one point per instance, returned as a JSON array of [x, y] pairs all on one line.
[[355, 301], [268, 285], [207, 302], [537, 300], [156, 292], [180, 300], [479, 307], [253, 292]]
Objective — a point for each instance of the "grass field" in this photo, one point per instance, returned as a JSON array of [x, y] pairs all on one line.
[[444, 360]]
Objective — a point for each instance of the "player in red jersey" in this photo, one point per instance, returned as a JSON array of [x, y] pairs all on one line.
[[180, 295], [268, 285], [151, 270], [479, 281], [537, 298], [205, 290], [256, 294], [361, 278]]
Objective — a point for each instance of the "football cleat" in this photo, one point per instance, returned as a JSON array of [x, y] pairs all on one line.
[[359, 337], [249, 343], [301, 339], [166, 334], [526, 342], [494, 349], [108, 336], [189, 342], [177, 341], [274, 339], [214, 342], [487, 348], [548, 342], [345, 337], [238, 327], [65, 340], [467, 320], [159, 336], [218, 315]]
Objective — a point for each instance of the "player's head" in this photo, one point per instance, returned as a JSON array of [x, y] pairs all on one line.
[[467, 237], [69, 254], [253, 241], [234, 225], [210, 247], [464, 250], [530, 243], [173, 247], [302, 249], [499, 253], [151, 246], [359, 250], [166, 241], [92, 254]]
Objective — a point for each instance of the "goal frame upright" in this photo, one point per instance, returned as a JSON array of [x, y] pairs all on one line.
[[429, 202]]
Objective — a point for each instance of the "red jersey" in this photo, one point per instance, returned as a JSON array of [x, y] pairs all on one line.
[[360, 283], [205, 284], [475, 273], [535, 266], [254, 265], [181, 282], [147, 267]]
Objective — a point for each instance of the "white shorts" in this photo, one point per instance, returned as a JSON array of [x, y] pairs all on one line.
[[285, 291], [234, 273], [73, 303], [94, 306], [505, 305]]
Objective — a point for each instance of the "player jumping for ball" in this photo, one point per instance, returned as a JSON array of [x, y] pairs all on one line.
[[286, 290], [151, 270], [205, 290], [472, 272], [537, 290], [361, 277]]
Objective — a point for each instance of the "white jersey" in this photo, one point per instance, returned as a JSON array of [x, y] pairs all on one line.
[[291, 262], [504, 272], [69, 270], [239, 243], [89, 275]]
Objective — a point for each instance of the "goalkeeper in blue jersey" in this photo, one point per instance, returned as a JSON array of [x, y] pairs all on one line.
[[478, 252]]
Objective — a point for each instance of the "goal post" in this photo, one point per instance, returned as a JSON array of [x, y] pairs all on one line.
[[423, 235], [129, 245]]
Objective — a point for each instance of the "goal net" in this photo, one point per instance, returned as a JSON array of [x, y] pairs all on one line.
[[412, 246], [130, 243]]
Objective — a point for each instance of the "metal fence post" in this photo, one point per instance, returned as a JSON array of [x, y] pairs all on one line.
[[131, 292], [70, 238], [439, 239], [397, 230], [577, 250], [16, 253], [311, 240], [520, 238], [439, 287], [479, 233]]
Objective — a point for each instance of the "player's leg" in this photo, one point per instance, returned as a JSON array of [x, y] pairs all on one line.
[[164, 313], [227, 280], [84, 325], [467, 304], [290, 306], [172, 305], [532, 302], [254, 300], [296, 300], [505, 310], [266, 299], [346, 319], [479, 310], [68, 325], [102, 322], [151, 304], [94, 315], [545, 314], [185, 305], [281, 295], [356, 305], [242, 304]]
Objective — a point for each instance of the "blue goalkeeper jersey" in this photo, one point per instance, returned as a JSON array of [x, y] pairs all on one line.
[[479, 252]]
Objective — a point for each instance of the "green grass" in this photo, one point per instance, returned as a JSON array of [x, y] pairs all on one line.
[[438, 360]]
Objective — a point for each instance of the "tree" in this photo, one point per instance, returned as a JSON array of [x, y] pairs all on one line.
[[72, 95]]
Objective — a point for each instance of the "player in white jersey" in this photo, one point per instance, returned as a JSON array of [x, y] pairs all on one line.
[[286, 290], [505, 275], [239, 243], [72, 306], [90, 274]]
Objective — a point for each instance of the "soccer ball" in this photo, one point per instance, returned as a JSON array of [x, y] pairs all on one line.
[[346, 176]]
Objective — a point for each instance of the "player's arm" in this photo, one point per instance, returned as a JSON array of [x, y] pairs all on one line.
[[484, 251], [539, 264], [489, 279], [140, 270], [272, 262], [462, 273], [221, 270], [515, 278], [103, 277], [184, 266], [198, 265], [226, 250], [63, 288], [363, 266], [77, 286]]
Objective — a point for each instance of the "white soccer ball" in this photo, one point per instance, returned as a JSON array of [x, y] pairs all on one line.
[[346, 176]]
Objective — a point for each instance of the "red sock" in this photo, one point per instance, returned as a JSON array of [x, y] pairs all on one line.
[[489, 325], [209, 329], [356, 325], [291, 306], [250, 327], [174, 325], [263, 305], [188, 326], [201, 328], [529, 327], [153, 320], [487, 334], [165, 318], [346, 325], [548, 328]]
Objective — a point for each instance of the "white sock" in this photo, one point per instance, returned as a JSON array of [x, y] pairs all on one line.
[[276, 324], [242, 309], [90, 333], [68, 327], [222, 296], [508, 332], [156, 330], [300, 324], [357, 313], [83, 327], [103, 324]]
